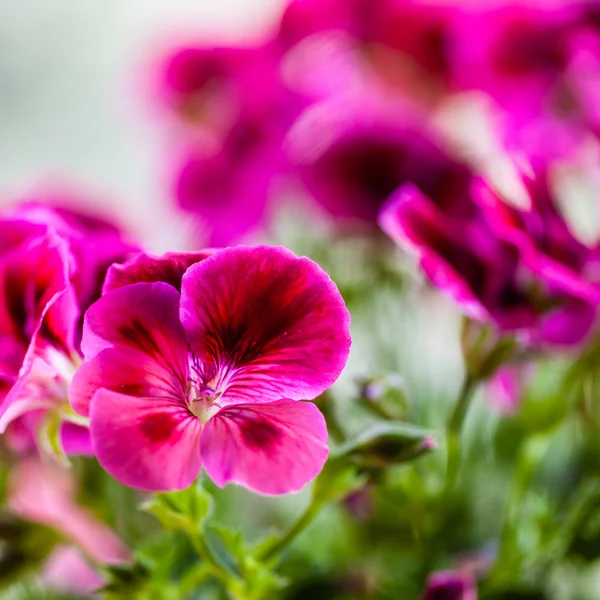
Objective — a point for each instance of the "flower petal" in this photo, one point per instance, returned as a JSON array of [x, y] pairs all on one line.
[[38, 387], [148, 443], [142, 316], [273, 448], [264, 324], [126, 371], [169, 268]]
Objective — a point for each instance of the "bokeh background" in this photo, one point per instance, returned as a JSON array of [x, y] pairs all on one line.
[[76, 113]]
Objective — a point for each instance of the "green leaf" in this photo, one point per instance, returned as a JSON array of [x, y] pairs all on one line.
[[185, 510]]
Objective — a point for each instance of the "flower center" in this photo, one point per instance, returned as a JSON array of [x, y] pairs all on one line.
[[202, 391]]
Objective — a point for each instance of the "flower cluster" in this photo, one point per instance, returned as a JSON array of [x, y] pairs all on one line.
[[189, 360]]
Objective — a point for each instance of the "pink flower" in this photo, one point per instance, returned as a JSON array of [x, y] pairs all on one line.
[[52, 265], [521, 269], [416, 30], [239, 110], [227, 183], [539, 63], [211, 377], [462, 257], [352, 154], [208, 86], [565, 266], [45, 494], [450, 585], [67, 572]]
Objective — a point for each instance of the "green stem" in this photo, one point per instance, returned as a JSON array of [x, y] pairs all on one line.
[[298, 527], [532, 452], [454, 428]]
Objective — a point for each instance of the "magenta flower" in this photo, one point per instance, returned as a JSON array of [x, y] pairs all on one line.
[[240, 110], [539, 65], [450, 585], [353, 154], [566, 268], [52, 264], [227, 183], [208, 85], [212, 376], [415, 30], [481, 272]]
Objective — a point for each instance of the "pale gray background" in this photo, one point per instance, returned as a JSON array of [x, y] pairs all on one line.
[[72, 104]]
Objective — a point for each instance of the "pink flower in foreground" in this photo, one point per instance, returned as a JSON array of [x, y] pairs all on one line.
[[450, 585], [212, 376]]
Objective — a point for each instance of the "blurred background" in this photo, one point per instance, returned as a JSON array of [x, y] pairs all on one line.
[[73, 109], [197, 123]]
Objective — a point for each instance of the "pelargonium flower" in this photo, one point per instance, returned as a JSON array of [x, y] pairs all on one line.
[[534, 62], [521, 269], [352, 154], [481, 272], [213, 375], [66, 572], [388, 38], [227, 182], [233, 154], [208, 85], [450, 585], [52, 262], [566, 268]]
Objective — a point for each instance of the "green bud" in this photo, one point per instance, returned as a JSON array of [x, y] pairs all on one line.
[[387, 444]]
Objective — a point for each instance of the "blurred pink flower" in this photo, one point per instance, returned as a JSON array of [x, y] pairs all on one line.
[[353, 153], [387, 38], [450, 585], [463, 258], [237, 110], [52, 264], [539, 63], [66, 571], [211, 376], [521, 270], [567, 271], [227, 183], [45, 494]]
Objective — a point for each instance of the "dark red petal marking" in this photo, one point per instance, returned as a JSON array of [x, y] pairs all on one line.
[[267, 323]]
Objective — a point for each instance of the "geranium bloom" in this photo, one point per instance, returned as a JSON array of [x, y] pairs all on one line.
[[521, 269], [66, 572], [567, 269], [52, 263], [352, 154], [212, 376], [538, 64], [481, 272], [388, 41], [450, 585], [227, 182]]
